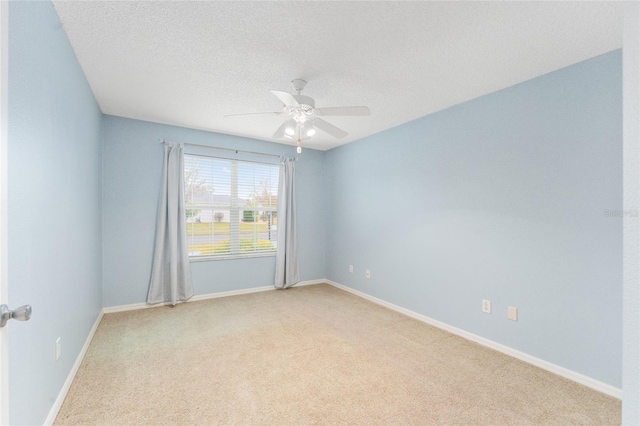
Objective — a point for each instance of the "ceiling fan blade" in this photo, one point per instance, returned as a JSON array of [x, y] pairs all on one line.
[[285, 98], [253, 113], [329, 128], [280, 132], [343, 111]]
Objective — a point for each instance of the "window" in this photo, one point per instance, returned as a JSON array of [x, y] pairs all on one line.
[[231, 207]]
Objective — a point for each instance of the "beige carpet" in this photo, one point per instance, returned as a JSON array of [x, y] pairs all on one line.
[[309, 355]]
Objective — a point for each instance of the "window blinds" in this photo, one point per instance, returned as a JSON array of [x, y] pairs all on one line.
[[231, 206]]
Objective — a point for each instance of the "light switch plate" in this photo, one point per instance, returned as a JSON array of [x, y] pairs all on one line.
[[512, 313], [58, 348]]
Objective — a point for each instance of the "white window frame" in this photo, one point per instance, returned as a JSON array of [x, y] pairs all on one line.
[[234, 215]]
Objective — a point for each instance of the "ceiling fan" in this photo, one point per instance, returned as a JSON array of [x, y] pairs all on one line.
[[305, 117]]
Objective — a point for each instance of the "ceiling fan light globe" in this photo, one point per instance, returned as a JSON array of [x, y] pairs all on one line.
[[290, 130], [307, 130]]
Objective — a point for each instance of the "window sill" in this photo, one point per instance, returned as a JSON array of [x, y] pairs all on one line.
[[231, 257]]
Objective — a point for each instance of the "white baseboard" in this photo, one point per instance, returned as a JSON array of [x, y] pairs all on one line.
[[136, 306], [72, 374], [545, 365], [310, 282]]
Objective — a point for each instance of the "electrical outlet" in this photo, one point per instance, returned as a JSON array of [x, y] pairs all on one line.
[[367, 274], [486, 306], [57, 348], [351, 268], [512, 313]]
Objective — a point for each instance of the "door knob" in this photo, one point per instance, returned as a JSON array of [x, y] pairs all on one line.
[[23, 313]]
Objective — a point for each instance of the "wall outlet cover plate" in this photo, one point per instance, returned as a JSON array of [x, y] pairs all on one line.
[[486, 306]]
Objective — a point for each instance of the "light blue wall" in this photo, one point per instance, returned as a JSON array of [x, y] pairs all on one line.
[[132, 165], [499, 198], [54, 208]]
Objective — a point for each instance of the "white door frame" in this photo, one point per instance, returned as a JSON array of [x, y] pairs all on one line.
[[4, 71], [631, 202]]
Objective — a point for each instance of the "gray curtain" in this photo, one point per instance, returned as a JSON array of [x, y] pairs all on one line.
[[287, 273], [171, 272]]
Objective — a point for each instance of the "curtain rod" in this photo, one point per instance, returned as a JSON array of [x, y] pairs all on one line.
[[225, 149]]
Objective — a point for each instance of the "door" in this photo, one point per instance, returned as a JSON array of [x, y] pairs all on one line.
[[4, 353]]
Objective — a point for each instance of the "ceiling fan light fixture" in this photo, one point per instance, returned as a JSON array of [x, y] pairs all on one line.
[[300, 117], [308, 130], [290, 130]]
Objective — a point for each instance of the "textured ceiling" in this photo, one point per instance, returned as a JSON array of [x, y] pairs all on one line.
[[189, 63]]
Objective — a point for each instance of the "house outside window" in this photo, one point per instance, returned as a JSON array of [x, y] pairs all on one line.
[[231, 207]]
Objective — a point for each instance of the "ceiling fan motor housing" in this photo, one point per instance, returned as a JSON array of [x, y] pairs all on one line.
[[305, 100], [306, 103]]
